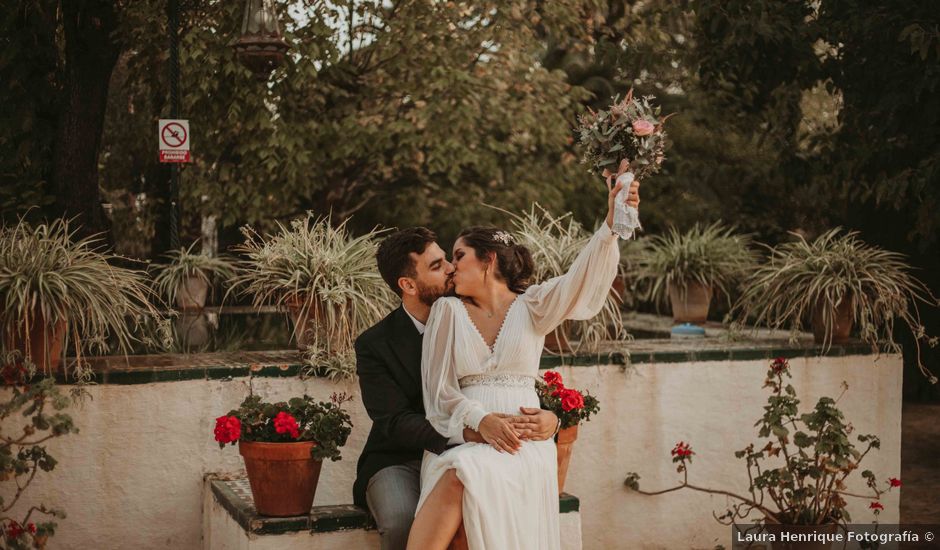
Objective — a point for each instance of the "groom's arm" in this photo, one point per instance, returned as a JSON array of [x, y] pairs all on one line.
[[388, 406]]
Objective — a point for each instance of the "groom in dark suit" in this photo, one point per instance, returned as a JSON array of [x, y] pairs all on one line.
[[388, 358]]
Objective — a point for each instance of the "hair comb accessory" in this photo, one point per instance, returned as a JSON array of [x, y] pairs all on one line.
[[503, 237]]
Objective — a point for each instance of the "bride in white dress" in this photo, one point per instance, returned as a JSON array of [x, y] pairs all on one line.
[[481, 356]]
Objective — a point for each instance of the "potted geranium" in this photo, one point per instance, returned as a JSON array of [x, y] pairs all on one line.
[[837, 282], [571, 407], [62, 293], [283, 445], [688, 268], [325, 278], [797, 477], [555, 242], [186, 278]]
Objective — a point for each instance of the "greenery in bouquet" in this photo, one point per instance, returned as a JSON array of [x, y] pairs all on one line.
[[569, 405], [630, 129], [325, 423], [798, 476]]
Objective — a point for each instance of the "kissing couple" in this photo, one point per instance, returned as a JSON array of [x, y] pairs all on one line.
[[448, 379]]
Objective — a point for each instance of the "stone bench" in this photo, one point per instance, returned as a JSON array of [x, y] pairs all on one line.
[[230, 522]]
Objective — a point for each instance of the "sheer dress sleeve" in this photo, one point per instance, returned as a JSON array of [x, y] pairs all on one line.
[[448, 410], [581, 292]]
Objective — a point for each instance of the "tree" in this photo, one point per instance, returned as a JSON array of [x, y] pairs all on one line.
[[58, 65]]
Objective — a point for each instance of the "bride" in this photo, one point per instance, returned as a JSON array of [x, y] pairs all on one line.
[[479, 363]]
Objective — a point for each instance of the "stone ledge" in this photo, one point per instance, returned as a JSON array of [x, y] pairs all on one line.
[[235, 496], [146, 369]]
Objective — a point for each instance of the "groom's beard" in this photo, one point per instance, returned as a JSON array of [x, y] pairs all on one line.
[[429, 294]]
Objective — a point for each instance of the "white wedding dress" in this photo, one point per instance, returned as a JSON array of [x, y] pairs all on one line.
[[510, 501]]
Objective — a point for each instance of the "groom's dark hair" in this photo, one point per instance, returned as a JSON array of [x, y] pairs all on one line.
[[394, 254]]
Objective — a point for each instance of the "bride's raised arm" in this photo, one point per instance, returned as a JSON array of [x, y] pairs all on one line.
[[446, 407], [581, 292]]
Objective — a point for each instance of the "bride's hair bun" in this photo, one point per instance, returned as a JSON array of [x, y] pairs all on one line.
[[514, 261]]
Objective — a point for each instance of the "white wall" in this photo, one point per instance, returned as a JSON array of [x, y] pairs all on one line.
[[133, 477]]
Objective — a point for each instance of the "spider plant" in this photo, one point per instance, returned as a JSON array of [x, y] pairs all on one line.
[[803, 279], [187, 275], [60, 292], [319, 273], [555, 242], [710, 257]]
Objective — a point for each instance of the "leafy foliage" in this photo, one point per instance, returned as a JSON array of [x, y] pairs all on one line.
[[184, 264], [817, 456], [711, 255], [22, 454], [49, 277], [800, 276], [323, 273]]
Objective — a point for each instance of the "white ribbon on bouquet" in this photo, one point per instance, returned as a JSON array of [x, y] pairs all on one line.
[[626, 217]]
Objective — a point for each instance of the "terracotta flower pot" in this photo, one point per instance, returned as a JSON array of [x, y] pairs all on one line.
[[306, 320], [283, 476], [692, 305], [191, 294], [43, 346], [564, 443], [842, 321]]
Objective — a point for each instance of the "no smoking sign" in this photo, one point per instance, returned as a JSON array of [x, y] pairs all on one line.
[[174, 140]]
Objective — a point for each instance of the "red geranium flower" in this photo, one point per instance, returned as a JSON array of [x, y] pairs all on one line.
[[895, 482], [227, 429], [876, 506], [571, 400], [682, 450], [14, 530], [779, 364], [552, 378], [31, 527], [285, 423]]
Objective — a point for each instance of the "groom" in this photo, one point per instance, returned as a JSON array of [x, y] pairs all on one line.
[[388, 358]]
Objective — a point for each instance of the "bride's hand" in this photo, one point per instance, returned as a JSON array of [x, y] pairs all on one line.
[[633, 195], [498, 432]]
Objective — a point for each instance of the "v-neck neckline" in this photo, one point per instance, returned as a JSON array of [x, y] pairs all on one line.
[[491, 349]]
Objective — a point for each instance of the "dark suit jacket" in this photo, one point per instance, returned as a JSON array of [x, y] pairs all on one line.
[[388, 362]]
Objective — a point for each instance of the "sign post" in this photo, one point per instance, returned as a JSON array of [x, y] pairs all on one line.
[[173, 135]]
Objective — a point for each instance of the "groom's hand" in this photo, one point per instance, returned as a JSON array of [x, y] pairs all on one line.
[[534, 424]]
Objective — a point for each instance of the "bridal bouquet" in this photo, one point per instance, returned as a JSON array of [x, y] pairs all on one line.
[[631, 129], [569, 405]]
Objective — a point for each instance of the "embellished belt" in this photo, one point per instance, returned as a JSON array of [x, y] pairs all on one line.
[[501, 380]]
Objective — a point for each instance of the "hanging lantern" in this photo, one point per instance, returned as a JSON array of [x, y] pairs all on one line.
[[260, 47]]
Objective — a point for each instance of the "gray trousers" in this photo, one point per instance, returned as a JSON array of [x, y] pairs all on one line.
[[392, 495]]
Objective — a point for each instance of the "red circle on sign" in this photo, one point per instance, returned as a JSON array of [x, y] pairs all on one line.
[[173, 135]]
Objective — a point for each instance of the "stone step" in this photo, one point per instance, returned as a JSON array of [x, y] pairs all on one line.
[[232, 523]]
